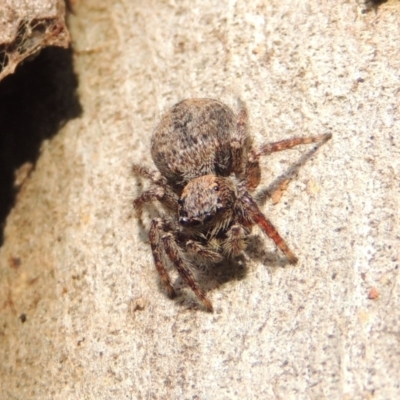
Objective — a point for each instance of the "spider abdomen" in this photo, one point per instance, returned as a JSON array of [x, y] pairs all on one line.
[[193, 139]]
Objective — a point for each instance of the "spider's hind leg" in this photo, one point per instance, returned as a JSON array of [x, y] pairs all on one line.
[[287, 144], [253, 171]]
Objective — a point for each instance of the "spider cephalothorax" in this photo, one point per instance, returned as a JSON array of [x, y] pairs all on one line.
[[208, 168], [206, 200]]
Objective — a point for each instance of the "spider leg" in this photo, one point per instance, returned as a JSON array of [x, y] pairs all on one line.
[[253, 171], [157, 247], [154, 176], [174, 253], [269, 148], [160, 191], [235, 243], [255, 216], [265, 224], [240, 143], [202, 251], [164, 195]]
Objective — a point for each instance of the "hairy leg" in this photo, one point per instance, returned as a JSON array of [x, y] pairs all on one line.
[[240, 144], [154, 176], [205, 252], [271, 231], [253, 215], [160, 191], [269, 148], [173, 251], [157, 248], [253, 171], [235, 243]]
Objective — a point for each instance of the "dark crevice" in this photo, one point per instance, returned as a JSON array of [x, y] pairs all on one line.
[[35, 102]]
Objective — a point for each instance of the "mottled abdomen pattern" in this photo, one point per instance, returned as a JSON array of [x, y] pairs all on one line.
[[193, 140]]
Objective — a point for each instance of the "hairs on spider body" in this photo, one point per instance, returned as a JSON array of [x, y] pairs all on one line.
[[208, 168]]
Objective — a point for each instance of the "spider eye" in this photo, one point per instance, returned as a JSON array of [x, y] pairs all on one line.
[[180, 202], [208, 217], [216, 188], [220, 208], [184, 221]]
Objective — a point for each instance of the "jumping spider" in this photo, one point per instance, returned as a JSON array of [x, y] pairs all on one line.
[[207, 168], [367, 5]]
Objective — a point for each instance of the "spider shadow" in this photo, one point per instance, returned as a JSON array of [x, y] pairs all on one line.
[[214, 276], [265, 193]]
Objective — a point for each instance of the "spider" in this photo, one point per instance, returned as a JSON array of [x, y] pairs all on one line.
[[207, 169], [367, 5]]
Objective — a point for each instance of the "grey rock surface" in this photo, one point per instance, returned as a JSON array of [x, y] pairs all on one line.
[[77, 263]]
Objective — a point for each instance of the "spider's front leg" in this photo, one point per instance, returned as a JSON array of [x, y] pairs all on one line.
[[265, 224], [235, 242], [174, 253], [209, 253], [157, 247], [255, 216], [163, 240]]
